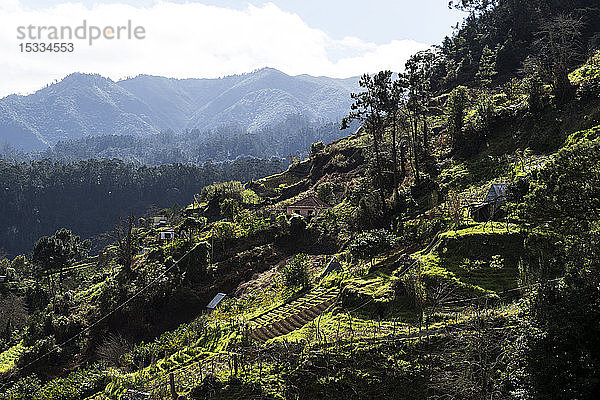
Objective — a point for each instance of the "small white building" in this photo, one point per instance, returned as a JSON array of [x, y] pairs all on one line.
[[167, 235]]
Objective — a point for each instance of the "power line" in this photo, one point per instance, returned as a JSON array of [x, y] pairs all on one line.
[[87, 329]]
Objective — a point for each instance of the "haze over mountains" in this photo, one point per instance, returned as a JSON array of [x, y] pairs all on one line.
[[84, 105]]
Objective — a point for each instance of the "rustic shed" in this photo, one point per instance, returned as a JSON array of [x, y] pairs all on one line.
[[496, 193], [491, 206], [308, 206]]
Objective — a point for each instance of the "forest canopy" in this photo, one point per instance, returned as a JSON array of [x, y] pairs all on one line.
[[88, 197]]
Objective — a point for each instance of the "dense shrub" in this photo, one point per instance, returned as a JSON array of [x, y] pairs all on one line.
[[325, 192], [295, 273], [316, 147], [419, 230], [368, 244], [456, 107], [477, 126]]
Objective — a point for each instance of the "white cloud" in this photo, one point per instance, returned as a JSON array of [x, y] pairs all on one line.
[[186, 40]]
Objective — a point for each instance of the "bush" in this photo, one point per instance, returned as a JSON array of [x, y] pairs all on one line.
[[113, 350], [456, 107], [477, 126], [25, 389], [221, 191], [533, 85], [229, 209], [368, 244], [224, 232], [566, 190], [419, 231], [250, 197], [295, 273], [325, 192], [195, 263], [316, 148]]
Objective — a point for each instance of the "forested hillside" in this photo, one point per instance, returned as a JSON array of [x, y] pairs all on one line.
[[292, 137], [89, 196], [510, 32], [447, 249]]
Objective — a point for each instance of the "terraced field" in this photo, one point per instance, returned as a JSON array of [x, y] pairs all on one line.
[[293, 315]]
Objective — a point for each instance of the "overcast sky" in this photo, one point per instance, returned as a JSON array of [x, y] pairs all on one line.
[[212, 38]]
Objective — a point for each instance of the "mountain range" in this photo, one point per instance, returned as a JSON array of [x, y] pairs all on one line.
[[89, 105]]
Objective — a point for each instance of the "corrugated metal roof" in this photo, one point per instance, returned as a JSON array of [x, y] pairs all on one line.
[[216, 301]]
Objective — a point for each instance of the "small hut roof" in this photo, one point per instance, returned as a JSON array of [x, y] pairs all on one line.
[[497, 191], [310, 201], [333, 265], [216, 301]]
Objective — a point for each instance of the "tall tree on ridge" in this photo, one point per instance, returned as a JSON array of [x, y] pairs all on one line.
[[126, 241], [487, 68], [397, 102], [419, 70], [558, 44], [54, 253], [371, 106]]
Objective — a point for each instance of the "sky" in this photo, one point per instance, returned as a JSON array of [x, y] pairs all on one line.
[[213, 38]]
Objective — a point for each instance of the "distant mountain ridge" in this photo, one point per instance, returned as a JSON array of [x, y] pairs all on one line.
[[87, 105]]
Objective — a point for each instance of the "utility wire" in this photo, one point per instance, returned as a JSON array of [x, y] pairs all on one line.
[[87, 329], [120, 306]]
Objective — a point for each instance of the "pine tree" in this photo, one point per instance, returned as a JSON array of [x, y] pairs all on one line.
[[487, 68]]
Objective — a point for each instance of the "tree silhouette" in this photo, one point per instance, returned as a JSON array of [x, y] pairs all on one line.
[[420, 72], [558, 45], [54, 253], [371, 106]]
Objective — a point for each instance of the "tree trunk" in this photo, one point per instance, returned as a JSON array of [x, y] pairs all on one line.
[[403, 159], [414, 142], [425, 134], [562, 86], [379, 165], [394, 155], [174, 395]]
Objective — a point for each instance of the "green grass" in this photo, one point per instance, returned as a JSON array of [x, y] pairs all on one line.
[[579, 136], [483, 257], [375, 285], [489, 228], [589, 71], [9, 358]]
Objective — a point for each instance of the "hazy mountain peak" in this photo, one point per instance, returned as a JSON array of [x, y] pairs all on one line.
[[85, 104]]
